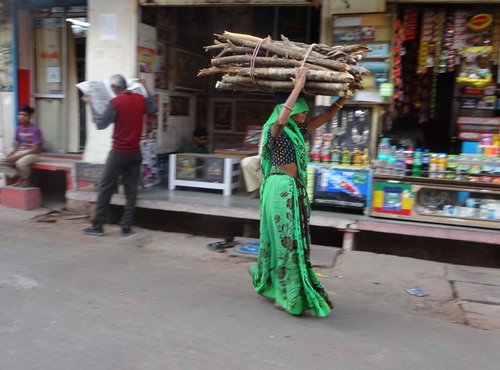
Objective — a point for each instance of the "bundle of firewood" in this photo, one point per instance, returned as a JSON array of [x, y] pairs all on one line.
[[249, 63]]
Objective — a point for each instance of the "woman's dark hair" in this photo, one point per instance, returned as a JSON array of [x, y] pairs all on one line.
[[26, 109]]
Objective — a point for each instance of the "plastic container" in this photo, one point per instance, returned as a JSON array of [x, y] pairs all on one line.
[[346, 157], [451, 167], [416, 168], [383, 151], [335, 155]]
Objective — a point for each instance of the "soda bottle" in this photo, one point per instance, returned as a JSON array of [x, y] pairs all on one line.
[[451, 167], [346, 157], [433, 166], [391, 162], [356, 157], [316, 148], [409, 153], [365, 158], [441, 165], [401, 162], [426, 157], [325, 149], [417, 163], [335, 155]]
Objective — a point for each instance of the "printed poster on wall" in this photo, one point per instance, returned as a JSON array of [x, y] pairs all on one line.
[[149, 168]]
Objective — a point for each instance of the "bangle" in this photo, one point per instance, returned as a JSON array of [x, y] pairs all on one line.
[[287, 107], [338, 105]]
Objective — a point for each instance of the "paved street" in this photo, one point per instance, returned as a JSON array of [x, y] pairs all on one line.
[[164, 301]]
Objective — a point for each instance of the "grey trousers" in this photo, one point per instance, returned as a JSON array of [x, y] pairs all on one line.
[[128, 166]]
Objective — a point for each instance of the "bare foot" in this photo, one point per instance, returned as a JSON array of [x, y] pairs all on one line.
[[278, 306], [23, 183]]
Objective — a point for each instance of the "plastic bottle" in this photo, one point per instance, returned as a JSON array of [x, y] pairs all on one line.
[[417, 163], [451, 167], [409, 153], [335, 155], [326, 148], [391, 162], [365, 158], [325, 154], [426, 157], [400, 162], [346, 157], [356, 157], [433, 166], [383, 151], [441, 165], [316, 148]]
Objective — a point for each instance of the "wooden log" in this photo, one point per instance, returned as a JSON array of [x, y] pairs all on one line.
[[281, 74], [282, 85], [326, 49], [318, 90], [243, 36], [270, 46], [265, 61]]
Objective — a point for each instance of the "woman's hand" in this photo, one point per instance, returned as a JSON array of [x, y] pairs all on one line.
[[300, 77]]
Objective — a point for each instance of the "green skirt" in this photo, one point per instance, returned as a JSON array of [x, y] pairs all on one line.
[[283, 272]]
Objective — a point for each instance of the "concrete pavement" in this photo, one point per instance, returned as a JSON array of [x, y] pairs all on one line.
[[164, 301]]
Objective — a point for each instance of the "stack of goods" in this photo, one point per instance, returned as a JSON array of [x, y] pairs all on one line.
[[250, 63]]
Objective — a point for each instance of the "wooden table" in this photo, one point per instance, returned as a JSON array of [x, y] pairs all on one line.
[[241, 153]]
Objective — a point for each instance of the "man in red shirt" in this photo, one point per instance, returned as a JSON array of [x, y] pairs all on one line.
[[127, 111]]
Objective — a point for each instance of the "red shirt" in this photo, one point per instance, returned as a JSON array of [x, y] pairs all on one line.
[[130, 109]]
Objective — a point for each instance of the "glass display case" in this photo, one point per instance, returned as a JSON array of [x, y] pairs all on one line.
[[453, 202], [204, 171]]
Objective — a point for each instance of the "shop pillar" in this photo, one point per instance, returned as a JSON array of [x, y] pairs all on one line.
[[111, 49]]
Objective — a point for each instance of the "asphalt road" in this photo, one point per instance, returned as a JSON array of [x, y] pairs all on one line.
[[69, 301]]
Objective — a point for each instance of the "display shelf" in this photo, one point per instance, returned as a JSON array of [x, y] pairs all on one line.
[[472, 185]]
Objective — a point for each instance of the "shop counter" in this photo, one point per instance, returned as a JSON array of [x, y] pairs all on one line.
[[204, 171], [464, 203]]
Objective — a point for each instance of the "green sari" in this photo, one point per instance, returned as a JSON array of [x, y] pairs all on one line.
[[283, 272]]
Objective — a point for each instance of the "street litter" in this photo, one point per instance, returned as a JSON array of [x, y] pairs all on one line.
[[416, 291], [248, 247], [222, 245], [54, 216]]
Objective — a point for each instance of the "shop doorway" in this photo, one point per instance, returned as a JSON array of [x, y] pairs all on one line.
[[58, 64]]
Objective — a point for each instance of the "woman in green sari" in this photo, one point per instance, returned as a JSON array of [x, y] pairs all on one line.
[[283, 272]]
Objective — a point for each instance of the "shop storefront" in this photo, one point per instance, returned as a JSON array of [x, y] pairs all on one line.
[[438, 160], [171, 50], [232, 118], [432, 93]]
